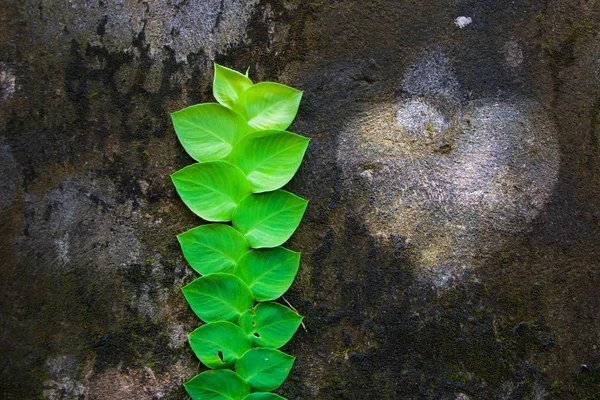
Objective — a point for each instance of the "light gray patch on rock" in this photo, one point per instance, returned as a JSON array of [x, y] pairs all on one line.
[[178, 336], [431, 75], [419, 119], [506, 164], [462, 21], [62, 245], [145, 306], [458, 195], [513, 54], [62, 385], [8, 81], [458, 180], [86, 226], [184, 26]]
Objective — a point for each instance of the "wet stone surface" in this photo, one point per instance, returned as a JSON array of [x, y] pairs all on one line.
[[450, 246]]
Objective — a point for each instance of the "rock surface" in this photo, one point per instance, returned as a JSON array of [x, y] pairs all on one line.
[[450, 247]]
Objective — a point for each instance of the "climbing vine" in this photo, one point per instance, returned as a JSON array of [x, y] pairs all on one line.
[[244, 156]]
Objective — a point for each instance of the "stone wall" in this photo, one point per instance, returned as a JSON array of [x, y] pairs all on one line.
[[450, 246]]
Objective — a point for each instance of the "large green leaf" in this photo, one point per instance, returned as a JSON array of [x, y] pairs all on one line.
[[221, 384], [213, 248], [219, 344], [218, 297], [208, 131], [264, 369], [269, 158], [269, 105], [229, 85], [264, 396], [269, 219], [270, 324], [269, 273], [212, 189]]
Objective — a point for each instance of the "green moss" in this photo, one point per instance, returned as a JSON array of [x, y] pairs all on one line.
[[459, 378], [485, 291], [339, 380], [145, 156], [540, 18], [546, 46], [83, 318], [527, 385], [348, 350], [557, 387]]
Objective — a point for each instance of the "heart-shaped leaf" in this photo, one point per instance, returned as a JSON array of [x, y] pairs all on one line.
[[270, 324], [269, 273], [213, 248], [269, 158], [212, 189], [221, 384], [264, 396], [269, 105], [264, 369], [218, 297], [229, 85], [219, 344], [209, 131], [269, 219]]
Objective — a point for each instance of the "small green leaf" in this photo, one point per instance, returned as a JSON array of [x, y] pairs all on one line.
[[269, 273], [208, 131], [218, 297], [212, 189], [269, 105], [213, 248], [269, 219], [221, 384], [264, 396], [269, 158], [264, 369], [270, 324], [229, 85], [219, 344]]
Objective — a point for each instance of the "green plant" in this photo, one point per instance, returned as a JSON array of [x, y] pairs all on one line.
[[244, 158]]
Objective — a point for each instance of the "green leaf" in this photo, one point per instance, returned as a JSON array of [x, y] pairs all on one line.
[[264, 396], [221, 384], [208, 131], [218, 297], [229, 85], [213, 248], [269, 219], [212, 190], [269, 105], [269, 158], [270, 324], [269, 273], [264, 369], [219, 344]]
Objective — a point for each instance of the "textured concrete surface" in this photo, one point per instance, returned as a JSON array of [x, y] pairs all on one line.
[[450, 247]]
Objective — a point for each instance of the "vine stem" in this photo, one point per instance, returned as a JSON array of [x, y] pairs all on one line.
[[292, 307]]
